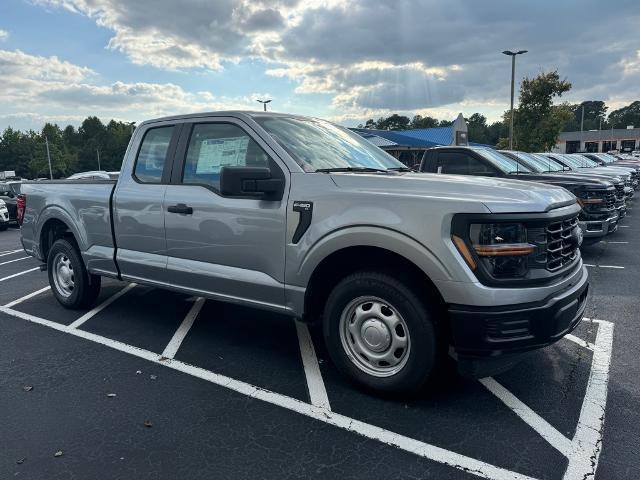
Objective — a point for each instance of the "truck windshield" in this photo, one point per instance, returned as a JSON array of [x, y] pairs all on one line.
[[317, 145], [581, 160], [539, 162], [504, 163]]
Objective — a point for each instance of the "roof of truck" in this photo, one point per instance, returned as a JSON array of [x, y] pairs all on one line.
[[223, 113]]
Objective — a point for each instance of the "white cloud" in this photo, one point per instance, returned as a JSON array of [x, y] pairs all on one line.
[[61, 90], [3, 35], [372, 56]]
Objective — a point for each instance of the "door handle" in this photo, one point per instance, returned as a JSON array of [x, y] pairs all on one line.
[[180, 208]]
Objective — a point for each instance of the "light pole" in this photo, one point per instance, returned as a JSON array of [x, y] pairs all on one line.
[[264, 103], [513, 75]]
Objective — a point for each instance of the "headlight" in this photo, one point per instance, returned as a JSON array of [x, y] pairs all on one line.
[[501, 248], [589, 198]]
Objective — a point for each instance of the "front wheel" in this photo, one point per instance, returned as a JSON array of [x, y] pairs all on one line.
[[380, 333], [70, 282]]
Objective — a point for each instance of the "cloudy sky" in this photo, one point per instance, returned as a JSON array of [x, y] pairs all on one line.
[[61, 60]]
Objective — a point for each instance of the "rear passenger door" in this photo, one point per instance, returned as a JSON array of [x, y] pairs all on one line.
[[229, 247], [462, 163], [138, 200]]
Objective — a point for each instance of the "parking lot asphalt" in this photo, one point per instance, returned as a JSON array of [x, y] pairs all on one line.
[[154, 384]]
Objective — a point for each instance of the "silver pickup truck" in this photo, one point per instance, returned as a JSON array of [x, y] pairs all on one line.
[[300, 216]]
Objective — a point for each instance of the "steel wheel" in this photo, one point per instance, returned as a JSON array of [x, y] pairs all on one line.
[[63, 276], [375, 336]]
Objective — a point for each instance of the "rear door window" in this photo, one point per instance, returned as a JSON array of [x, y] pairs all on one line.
[[152, 155]]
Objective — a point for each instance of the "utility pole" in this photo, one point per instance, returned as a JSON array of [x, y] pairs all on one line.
[[46, 142], [581, 129], [513, 75], [98, 154]]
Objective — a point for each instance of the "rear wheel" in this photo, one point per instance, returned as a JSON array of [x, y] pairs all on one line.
[[380, 333], [70, 282]]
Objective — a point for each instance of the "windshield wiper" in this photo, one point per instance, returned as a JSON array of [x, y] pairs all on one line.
[[399, 169], [350, 169]]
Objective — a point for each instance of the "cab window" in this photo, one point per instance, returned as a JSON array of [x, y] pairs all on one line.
[[461, 163], [153, 155], [216, 145]]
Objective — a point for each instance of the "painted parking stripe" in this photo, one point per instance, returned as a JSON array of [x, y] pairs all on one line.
[[99, 308], [579, 341], [587, 441], [623, 226], [174, 344], [422, 449], [535, 421], [618, 243], [11, 252], [19, 273], [27, 297], [14, 260], [315, 385], [603, 266]]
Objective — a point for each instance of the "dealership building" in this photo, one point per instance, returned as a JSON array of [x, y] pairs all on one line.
[[408, 146], [621, 139]]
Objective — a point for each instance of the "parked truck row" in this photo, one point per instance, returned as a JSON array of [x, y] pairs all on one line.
[[305, 218]]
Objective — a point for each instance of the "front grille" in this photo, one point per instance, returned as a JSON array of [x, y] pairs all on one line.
[[619, 190], [610, 200], [561, 249]]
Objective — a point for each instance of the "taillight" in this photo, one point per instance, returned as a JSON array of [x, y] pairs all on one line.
[[21, 203]]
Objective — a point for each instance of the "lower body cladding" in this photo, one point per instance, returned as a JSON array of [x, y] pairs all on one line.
[[489, 340]]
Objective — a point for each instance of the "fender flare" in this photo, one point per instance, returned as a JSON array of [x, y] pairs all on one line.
[[399, 243], [54, 212]]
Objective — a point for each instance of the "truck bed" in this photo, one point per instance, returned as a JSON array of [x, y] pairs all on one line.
[[84, 206]]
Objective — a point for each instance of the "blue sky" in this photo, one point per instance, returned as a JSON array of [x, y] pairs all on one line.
[[61, 60]]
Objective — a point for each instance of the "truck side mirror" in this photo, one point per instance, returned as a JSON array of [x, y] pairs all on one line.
[[250, 182]]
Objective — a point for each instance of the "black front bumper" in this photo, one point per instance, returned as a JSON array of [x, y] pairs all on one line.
[[495, 336]]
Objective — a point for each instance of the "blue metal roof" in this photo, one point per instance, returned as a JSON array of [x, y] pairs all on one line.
[[437, 135], [397, 137]]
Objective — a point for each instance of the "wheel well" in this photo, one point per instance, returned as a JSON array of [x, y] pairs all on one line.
[[53, 230], [349, 260]]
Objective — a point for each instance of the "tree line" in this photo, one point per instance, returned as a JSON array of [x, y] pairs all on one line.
[[538, 120], [71, 150]]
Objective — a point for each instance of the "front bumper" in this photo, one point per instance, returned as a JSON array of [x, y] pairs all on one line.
[[4, 216], [485, 333], [599, 228]]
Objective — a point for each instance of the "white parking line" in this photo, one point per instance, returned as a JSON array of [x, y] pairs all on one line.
[[9, 252], [618, 242], [580, 341], [14, 260], [100, 307], [603, 266], [317, 391], [174, 344], [623, 226], [535, 421], [19, 273], [587, 442], [422, 449], [27, 297]]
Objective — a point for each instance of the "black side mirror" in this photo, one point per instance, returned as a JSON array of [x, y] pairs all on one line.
[[10, 195], [250, 182]]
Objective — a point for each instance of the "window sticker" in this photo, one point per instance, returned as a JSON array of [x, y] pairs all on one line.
[[216, 153]]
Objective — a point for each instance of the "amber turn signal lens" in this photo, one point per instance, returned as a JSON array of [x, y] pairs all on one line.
[[464, 251], [506, 250], [589, 201]]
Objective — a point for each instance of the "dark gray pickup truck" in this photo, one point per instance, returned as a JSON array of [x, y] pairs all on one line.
[[305, 218]]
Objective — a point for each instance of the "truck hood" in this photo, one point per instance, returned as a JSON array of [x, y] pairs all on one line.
[[496, 194], [570, 182]]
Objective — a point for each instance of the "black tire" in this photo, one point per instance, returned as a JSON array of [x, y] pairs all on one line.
[[423, 351], [86, 287], [3, 227]]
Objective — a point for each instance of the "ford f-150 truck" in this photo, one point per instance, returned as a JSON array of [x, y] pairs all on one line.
[[300, 216], [596, 196]]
